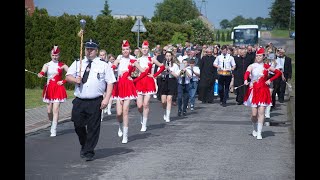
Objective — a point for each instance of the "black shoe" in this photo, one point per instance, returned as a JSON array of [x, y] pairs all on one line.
[[88, 157], [179, 113], [223, 104], [82, 152], [239, 103], [281, 100], [184, 113]]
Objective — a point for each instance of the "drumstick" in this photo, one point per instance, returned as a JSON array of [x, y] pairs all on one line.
[[239, 86]]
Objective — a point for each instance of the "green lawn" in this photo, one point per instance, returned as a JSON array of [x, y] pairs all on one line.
[[280, 33], [33, 98]]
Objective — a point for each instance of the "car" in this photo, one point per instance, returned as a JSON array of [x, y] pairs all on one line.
[[293, 35]]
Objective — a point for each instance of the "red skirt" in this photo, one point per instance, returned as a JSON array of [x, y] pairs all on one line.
[[258, 95], [53, 92], [124, 89], [146, 86]]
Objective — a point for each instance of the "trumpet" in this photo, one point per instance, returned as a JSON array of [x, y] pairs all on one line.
[[182, 73]]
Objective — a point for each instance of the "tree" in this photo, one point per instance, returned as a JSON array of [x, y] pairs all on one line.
[[223, 37], [238, 21], [281, 13], [224, 24], [106, 11], [201, 33], [259, 21], [175, 11], [179, 38]]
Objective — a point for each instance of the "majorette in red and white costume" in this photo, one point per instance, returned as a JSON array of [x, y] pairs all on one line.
[[146, 85], [52, 92], [258, 93], [125, 88]]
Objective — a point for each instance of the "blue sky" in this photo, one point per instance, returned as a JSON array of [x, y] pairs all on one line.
[[216, 10]]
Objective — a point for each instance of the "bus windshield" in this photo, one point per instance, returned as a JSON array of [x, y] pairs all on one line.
[[245, 37]]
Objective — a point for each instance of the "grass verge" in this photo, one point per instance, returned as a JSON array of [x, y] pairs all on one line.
[[33, 98]]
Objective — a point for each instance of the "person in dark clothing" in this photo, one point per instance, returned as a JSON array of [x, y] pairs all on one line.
[[160, 58], [251, 54], [208, 74], [279, 84], [242, 62]]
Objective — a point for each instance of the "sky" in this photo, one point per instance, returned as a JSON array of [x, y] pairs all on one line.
[[214, 10]]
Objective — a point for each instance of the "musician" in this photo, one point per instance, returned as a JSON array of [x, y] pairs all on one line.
[[183, 87], [169, 84], [225, 64]]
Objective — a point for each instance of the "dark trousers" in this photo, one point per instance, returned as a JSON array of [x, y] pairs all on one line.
[[279, 87], [174, 97], [159, 81], [86, 116], [183, 97], [240, 92], [224, 85], [206, 91]]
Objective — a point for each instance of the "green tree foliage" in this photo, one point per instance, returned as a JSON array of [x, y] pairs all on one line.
[[280, 13], [218, 36], [175, 11], [179, 38], [42, 32], [224, 24], [106, 11], [228, 38], [162, 32], [238, 21], [201, 33], [223, 37]]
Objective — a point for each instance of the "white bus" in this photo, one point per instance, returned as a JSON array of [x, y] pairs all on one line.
[[245, 35]]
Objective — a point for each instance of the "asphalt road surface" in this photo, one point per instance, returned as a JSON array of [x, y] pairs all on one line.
[[211, 142]]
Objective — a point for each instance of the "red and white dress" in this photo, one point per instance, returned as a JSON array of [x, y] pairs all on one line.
[[258, 93], [52, 92], [146, 85], [124, 88]]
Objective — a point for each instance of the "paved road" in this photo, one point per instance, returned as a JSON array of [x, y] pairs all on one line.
[[212, 142], [287, 43]]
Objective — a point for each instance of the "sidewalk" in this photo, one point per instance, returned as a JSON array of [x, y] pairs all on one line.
[[37, 118]]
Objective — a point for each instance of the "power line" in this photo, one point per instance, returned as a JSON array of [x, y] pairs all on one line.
[[203, 4]]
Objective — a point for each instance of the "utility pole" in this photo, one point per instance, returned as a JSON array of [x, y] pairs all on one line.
[[290, 21], [203, 3]]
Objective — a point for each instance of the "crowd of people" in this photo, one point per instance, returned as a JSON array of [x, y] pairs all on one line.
[[174, 75]]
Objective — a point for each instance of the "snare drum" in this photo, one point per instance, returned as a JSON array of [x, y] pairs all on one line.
[[225, 72]]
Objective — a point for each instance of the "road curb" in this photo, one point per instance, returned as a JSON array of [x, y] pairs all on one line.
[[34, 130]]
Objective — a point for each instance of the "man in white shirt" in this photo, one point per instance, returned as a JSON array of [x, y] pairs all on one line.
[[225, 64], [95, 79]]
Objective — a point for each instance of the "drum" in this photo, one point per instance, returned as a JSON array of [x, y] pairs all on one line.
[[224, 72]]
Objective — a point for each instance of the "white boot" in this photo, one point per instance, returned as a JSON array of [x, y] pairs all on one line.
[[109, 109], [168, 116], [267, 112], [125, 135], [254, 132], [120, 130], [259, 136], [53, 129], [144, 125], [165, 115]]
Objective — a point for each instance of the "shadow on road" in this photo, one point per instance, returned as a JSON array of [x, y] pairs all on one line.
[[106, 152]]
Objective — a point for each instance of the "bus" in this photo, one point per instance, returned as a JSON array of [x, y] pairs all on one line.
[[245, 35]]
